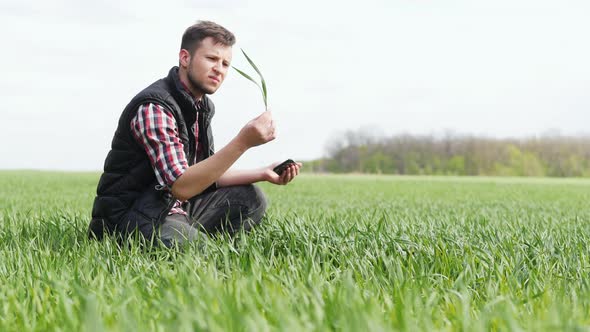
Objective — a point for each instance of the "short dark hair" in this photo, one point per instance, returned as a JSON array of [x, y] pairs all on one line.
[[194, 35]]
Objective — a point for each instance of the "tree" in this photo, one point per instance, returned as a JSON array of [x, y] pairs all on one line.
[[365, 151]]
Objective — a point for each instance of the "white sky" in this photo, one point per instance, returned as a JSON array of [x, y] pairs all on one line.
[[494, 68]]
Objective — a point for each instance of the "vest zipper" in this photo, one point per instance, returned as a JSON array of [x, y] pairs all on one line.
[[164, 213], [203, 131]]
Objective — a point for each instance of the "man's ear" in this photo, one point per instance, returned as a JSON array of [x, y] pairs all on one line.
[[184, 58]]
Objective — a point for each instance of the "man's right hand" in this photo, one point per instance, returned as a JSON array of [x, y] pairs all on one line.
[[258, 131]]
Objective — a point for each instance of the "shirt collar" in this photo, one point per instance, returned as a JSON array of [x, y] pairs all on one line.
[[198, 102]]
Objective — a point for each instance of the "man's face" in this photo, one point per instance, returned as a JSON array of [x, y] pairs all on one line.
[[208, 66]]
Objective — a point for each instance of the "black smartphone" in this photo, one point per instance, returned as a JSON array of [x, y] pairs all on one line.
[[283, 166]]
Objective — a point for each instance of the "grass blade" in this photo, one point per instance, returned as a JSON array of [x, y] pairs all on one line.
[[264, 94], [246, 76]]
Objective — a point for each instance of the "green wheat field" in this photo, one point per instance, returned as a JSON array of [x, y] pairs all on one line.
[[344, 253]]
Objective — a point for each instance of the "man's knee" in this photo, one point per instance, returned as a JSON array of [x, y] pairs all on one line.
[[230, 208], [259, 203], [254, 201]]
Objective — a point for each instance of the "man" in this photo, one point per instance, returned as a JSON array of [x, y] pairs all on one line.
[[161, 177]]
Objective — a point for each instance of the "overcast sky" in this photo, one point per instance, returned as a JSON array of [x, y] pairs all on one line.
[[494, 68]]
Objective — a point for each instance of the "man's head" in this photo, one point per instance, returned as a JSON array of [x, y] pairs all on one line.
[[205, 56]]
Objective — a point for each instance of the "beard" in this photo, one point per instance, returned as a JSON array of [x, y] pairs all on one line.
[[198, 85]]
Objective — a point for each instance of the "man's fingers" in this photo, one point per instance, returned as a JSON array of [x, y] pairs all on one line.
[[288, 175], [266, 116], [265, 121], [272, 130]]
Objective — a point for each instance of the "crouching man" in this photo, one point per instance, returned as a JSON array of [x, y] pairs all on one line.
[[161, 177]]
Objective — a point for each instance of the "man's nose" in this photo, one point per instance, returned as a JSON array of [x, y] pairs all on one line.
[[218, 66]]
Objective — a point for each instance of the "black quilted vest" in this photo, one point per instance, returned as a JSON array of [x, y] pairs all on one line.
[[128, 196]]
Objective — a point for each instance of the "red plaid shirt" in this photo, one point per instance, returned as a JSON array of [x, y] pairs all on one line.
[[155, 128]]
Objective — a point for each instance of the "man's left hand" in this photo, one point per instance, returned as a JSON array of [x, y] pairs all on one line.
[[287, 176]]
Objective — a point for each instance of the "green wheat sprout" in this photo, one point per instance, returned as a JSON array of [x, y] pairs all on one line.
[[261, 87]]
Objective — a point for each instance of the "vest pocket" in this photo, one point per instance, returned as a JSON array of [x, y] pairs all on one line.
[[148, 212], [140, 222]]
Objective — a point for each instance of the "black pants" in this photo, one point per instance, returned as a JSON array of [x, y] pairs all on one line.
[[228, 209]]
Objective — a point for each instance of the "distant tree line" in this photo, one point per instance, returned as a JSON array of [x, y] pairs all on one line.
[[363, 151]]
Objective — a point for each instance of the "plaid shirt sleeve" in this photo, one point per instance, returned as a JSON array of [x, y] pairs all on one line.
[[154, 128]]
